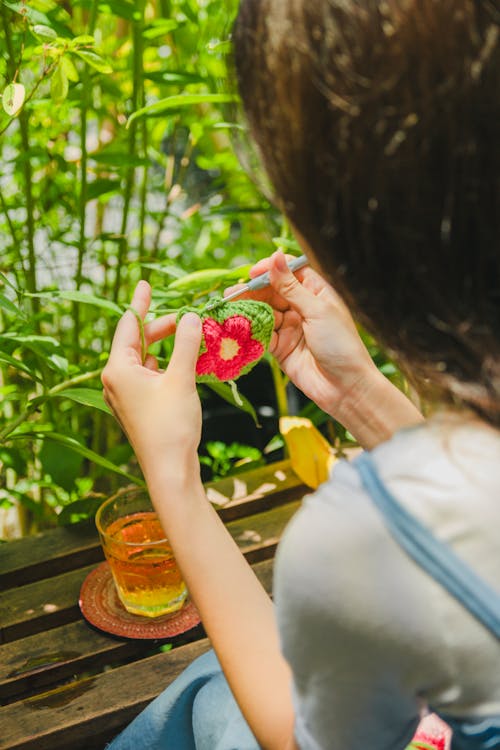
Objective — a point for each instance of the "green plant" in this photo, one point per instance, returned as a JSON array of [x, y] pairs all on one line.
[[116, 164]]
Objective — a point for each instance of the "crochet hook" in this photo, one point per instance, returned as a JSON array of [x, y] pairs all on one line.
[[259, 282]]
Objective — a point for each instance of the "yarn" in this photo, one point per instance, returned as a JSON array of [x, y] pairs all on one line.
[[235, 337]]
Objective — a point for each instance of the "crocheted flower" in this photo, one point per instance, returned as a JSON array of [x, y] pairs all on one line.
[[425, 741], [235, 336]]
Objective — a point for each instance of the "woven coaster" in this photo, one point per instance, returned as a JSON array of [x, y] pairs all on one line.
[[235, 337]]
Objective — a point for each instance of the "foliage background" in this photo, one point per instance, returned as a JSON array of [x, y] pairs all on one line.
[[119, 165]]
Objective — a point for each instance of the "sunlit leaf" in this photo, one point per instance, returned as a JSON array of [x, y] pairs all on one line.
[[85, 396], [44, 32], [94, 60], [13, 98], [311, 455], [59, 85], [199, 280], [84, 298], [69, 69]]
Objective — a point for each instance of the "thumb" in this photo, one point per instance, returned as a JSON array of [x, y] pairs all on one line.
[[186, 347], [289, 287]]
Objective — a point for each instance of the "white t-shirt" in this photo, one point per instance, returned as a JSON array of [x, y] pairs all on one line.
[[370, 637]]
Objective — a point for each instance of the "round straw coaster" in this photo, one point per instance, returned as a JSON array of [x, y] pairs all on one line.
[[101, 607]]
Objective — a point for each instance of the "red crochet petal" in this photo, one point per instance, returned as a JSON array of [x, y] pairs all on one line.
[[237, 327]]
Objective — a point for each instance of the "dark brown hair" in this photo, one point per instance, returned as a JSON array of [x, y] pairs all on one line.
[[377, 122]]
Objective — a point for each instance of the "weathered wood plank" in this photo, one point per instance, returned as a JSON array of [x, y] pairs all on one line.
[[57, 551], [50, 657], [70, 716]]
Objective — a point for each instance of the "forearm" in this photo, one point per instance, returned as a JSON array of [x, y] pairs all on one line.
[[236, 612], [375, 410]]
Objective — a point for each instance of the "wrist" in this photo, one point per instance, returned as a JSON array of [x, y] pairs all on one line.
[[177, 469], [374, 409]]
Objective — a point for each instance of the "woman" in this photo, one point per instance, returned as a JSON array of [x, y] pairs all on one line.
[[377, 123]]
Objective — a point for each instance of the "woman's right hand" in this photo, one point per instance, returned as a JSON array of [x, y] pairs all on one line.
[[317, 345], [315, 340]]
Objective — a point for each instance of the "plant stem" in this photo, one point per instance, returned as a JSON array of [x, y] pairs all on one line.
[[30, 273], [86, 89], [15, 240], [279, 381], [129, 183]]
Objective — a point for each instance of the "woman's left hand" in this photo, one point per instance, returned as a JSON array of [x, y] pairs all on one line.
[[159, 411]]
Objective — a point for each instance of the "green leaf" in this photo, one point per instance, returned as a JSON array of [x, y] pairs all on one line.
[[200, 280], [180, 100], [84, 298], [59, 85], [77, 447], [78, 509], [102, 186], [13, 98], [62, 463], [17, 364], [225, 391], [160, 27], [179, 77], [44, 32], [85, 396], [69, 69], [9, 306], [83, 39], [94, 60]]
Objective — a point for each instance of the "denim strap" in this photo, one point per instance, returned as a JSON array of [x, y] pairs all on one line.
[[434, 556]]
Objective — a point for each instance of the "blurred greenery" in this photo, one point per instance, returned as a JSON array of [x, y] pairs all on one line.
[[118, 163]]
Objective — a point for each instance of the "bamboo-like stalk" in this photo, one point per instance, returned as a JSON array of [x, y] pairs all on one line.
[[30, 270], [82, 208], [137, 87]]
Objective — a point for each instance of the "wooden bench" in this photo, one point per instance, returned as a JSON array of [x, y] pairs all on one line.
[[64, 684]]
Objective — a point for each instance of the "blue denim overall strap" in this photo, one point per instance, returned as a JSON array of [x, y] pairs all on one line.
[[435, 557], [442, 564]]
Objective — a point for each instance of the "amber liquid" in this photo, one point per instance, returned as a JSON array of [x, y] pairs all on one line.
[[145, 572]]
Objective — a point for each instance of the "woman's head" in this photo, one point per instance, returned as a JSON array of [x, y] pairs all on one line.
[[378, 123]]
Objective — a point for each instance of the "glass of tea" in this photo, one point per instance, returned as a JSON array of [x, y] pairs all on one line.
[[144, 569]]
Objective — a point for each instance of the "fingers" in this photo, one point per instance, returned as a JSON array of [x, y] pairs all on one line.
[[159, 329], [285, 283], [127, 331], [186, 349]]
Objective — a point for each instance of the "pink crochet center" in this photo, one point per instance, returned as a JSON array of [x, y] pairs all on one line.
[[230, 347]]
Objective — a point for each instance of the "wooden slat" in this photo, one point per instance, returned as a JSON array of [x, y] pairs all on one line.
[[72, 715], [69, 716], [49, 553], [52, 656], [56, 551]]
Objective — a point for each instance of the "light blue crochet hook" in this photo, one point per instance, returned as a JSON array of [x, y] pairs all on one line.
[[260, 282]]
